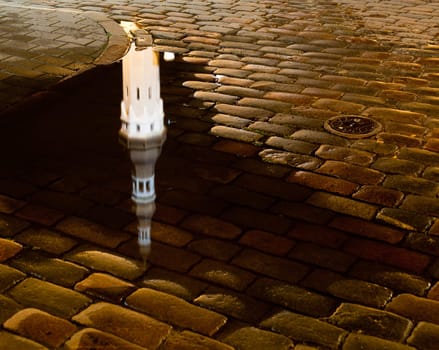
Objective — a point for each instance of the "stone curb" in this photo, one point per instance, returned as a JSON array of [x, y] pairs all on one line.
[[118, 41]]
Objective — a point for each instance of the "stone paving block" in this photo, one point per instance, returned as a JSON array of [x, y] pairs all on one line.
[[51, 269], [65, 202], [8, 249], [173, 283], [247, 112], [236, 305], [267, 128], [374, 146], [244, 197], [40, 214], [358, 291], [236, 148], [416, 308], [256, 219], [322, 182], [271, 266], [256, 167], [421, 204], [390, 114], [366, 342], [267, 104], [384, 253], [166, 256], [8, 307], [290, 159], [305, 329], [273, 187], [9, 341], [192, 341], [239, 91], [292, 297], [104, 286], [214, 248], [126, 324], [89, 338], [425, 336], [296, 146], [267, 242], [176, 311], [9, 277], [10, 225], [47, 240], [8, 204], [354, 173], [304, 212], [411, 184], [106, 261], [342, 205], [169, 215], [367, 229], [230, 120], [349, 155], [418, 155], [169, 234], [369, 321], [222, 274], [193, 201], [379, 195], [51, 298], [295, 99], [405, 219], [90, 231], [339, 106], [113, 218], [252, 338], [319, 234], [423, 243], [322, 256], [28, 322], [211, 226], [319, 137]]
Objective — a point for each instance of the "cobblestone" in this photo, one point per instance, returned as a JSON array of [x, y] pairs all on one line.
[[249, 185], [303, 328], [254, 338], [58, 301], [126, 324], [424, 336], [372, 322], [176, 311], [27, 323], [101, 260]]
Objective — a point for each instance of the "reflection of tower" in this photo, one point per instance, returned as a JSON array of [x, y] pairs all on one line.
[[142, 131]]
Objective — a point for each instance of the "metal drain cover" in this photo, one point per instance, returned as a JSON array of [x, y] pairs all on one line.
[[352, 126]]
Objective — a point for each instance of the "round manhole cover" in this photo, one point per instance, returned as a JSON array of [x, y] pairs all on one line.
[[353, 126]]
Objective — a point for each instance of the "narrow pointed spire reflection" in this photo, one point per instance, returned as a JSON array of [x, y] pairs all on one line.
[[142, 132]]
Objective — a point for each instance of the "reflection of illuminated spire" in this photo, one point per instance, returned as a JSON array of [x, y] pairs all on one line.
[[142, 131]]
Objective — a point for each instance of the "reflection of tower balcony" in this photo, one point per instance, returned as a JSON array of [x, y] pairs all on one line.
[[143, 189]]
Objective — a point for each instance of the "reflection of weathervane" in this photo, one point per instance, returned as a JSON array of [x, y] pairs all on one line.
[[142, 132]]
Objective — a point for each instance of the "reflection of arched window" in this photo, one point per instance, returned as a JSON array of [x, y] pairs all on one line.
[[143, 188], [144, 234]]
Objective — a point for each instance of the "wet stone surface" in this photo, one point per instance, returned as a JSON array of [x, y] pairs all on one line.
[[270, 232]]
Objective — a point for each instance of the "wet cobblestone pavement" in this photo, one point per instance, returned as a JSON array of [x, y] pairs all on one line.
[[270, 232]]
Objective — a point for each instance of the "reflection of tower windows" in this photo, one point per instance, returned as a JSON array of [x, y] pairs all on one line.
[[143, 189], [144, 234]]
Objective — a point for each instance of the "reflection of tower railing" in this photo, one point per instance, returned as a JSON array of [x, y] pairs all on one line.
[[142, 131]]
